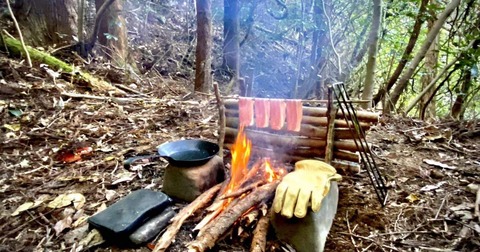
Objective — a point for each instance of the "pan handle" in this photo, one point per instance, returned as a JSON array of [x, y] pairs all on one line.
[[129, 161]]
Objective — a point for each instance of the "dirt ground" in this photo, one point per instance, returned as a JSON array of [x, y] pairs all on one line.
[[430, 205]]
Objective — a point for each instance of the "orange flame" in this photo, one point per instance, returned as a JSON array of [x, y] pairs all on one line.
[[241, 150]]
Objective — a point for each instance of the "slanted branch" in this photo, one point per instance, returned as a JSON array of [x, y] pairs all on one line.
[[214, 230], [176, 223]]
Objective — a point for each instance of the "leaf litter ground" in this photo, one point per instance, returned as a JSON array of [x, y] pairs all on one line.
[[431, 171]]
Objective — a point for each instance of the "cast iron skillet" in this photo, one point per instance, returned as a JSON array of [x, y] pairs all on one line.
[[184, 153]]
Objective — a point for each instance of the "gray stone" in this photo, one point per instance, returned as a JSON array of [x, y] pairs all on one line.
[[187, 183], [308, 234]]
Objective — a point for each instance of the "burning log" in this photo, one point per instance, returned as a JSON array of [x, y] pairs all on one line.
[[243, 190], [259, 240], [214, 230], [305, 130], [300, 154], [264, 139], [311, 120], [169, 236], [362, 116]]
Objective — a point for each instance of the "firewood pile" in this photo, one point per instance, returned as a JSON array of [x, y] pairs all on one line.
[[238, 203], [309, 142]]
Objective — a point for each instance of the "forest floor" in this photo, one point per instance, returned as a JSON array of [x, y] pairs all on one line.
[[431, 205]]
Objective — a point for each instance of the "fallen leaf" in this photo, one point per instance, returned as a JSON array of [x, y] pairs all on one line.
[[62, 225], [24, 163], [463, 206], [110, 194], [64, 200], [30, 205], [12, 127], [93, 238], [23, 207], [439, 164], [15, 112], [80, 221], [432, 187], [413, 198], [124, 177]]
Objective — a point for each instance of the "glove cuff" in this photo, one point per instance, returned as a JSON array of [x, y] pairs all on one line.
[[314, 165]]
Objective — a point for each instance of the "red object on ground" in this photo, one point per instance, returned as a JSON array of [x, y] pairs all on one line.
[[262, 112], [277, 113], [294, 114], [69, 156], [245, 110]]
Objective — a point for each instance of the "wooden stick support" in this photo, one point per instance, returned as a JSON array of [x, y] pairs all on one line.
[[221, 120], [332, 111]]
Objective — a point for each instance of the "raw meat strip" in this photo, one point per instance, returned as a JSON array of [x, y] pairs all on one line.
[[245, 111], [262, 112], [277, 113], [294, 115]]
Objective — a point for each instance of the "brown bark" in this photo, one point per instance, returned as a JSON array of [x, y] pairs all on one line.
[[214, 230], [232, 120], [168, 237], [305, 130], [231, 45], [113, 24], [363, 116], [203, 77], [286, 142], [372, 53], [427, 110], [47, 22], [300, 154], [458, 107], [259, 240], [332, 111], [406, 53], [346, 167]]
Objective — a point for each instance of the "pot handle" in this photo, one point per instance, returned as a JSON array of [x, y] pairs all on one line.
[[129, 161]]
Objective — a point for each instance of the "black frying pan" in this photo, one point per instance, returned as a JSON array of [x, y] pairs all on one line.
[[184, 153]]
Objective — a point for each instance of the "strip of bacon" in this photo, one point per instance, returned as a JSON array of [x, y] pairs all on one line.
[[294, 114], [262, 112], [277, 114], [245, 110]]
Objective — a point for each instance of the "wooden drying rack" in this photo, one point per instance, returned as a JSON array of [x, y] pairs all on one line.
[[324, 134]]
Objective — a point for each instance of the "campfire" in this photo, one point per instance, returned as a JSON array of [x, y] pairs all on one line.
[[237, 198]]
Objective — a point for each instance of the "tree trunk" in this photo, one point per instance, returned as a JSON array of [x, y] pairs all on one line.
[[458, 107], [406, 54], [231, 46], [113, 31], [47, 22], [372, 53], [432, 34], [320, 51], [203, 77], [427, 110]]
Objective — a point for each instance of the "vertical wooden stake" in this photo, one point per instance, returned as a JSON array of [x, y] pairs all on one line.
[[331, 114], [221, 119]]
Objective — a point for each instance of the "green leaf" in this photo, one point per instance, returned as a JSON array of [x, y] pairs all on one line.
[[15, 112]]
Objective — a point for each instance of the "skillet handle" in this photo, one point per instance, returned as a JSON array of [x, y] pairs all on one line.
[[129, 161]]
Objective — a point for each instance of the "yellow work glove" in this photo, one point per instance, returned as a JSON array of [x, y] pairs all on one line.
[[306, 186]]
